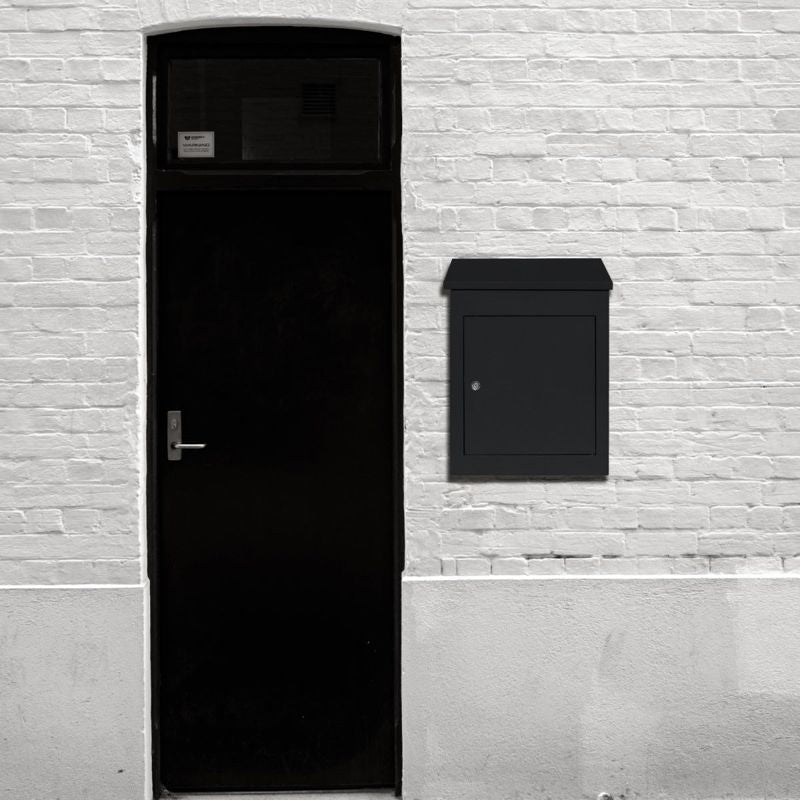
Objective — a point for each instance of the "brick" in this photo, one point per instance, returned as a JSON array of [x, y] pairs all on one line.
[[750, 565], [547, 566], [473, 566], [600, 566], [509, 566]]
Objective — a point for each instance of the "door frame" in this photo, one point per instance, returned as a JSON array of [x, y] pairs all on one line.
[[159, 179]]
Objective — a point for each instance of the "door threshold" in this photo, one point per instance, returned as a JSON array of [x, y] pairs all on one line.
[[347, 794]]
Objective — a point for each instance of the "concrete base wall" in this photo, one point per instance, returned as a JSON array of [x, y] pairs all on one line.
[[512, 688], [563, 688], [73, 693]]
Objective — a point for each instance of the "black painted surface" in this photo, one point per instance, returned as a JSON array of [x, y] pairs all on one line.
[[528, 369], [533, 379], [279, 110], [275, 544], [278, 98]]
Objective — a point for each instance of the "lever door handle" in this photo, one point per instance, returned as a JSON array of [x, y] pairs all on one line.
[[175, 446]]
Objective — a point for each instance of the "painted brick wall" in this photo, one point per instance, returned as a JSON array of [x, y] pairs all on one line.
[[70, 238], [661, 135], [663, 138]]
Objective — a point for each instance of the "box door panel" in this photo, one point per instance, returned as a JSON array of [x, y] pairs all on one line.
[[529, 385]]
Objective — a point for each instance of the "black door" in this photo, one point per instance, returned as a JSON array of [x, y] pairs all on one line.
[[275, 567]]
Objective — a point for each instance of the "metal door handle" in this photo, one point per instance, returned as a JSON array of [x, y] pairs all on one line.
[[174, 435]]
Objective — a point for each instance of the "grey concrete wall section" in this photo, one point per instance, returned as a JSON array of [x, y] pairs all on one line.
[[558, 688], [72, 694]]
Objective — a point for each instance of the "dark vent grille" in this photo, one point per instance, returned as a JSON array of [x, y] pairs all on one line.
[[319, 100]]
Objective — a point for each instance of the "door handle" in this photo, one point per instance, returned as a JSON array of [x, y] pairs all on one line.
[[175, 446]]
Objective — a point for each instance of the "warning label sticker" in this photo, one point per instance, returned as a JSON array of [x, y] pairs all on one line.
[[195, 144]]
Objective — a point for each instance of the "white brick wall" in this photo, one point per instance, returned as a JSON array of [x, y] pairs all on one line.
[[665, 139], [70, 238], [661, 136]]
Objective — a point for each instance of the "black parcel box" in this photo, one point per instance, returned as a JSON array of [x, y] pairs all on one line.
[[528, 366]]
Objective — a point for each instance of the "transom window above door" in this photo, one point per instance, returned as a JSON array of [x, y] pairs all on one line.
[[288, 112]]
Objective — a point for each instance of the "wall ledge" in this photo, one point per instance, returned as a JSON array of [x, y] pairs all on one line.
[[603, 578], [67, 586]]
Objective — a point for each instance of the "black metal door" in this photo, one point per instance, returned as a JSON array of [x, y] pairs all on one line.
[[275, 565]]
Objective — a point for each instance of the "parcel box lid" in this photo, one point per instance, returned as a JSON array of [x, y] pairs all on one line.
[[528, 274]]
